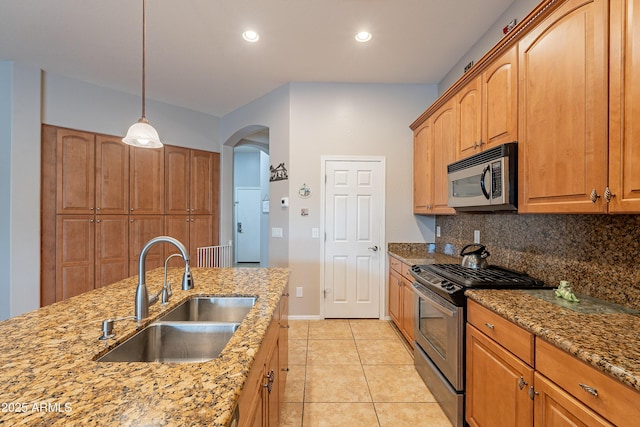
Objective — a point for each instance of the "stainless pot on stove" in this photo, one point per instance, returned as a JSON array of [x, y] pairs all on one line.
[[474, 255]]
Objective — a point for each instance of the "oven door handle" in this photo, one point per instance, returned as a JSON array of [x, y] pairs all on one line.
[[452, 312]]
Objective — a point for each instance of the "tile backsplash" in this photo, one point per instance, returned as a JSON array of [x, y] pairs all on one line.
[[598, 254]]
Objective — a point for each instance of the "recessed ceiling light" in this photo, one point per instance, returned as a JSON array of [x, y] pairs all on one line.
[[251, 36], [363, 36]]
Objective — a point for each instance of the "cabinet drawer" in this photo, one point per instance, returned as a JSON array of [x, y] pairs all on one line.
[[614, 401], [395, 264], [507, 334], [406, 272]]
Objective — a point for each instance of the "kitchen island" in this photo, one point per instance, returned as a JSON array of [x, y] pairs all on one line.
[[49, 375]]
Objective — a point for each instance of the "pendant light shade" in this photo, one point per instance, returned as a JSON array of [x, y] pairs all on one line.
[[141, 133]]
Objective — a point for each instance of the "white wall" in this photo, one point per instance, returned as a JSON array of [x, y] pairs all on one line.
[[518, 10], [84, 106], [350, 119], [20, 189], [6, 97], [272, 111]]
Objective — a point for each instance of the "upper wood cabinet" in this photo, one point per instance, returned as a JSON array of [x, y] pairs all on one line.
[[469, 121], [192, 187], [444, 145], [92, 173], [147, 181], [75, 172], [624, 108], [112, 176], [433, 149], [500, 100], [487, 107], [563, 110], [422, 168]]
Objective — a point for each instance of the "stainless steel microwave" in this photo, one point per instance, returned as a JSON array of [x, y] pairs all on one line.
[[487, 181]]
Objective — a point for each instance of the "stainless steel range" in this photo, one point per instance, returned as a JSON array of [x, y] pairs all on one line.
[[440, 315]]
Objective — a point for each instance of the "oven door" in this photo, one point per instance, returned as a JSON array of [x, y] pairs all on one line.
[[439, 331]]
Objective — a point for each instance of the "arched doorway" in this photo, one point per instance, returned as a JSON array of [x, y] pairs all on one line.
[[249, 188]]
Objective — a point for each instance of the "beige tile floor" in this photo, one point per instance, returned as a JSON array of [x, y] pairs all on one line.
[[354, 373]]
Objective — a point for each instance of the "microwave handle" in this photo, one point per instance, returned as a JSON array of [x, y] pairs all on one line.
[[482, 185]]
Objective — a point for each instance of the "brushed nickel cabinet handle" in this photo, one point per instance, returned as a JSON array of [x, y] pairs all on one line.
[[594, 196], [592, 391], [490, 325]]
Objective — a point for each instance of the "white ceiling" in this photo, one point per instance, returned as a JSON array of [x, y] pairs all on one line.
[[196, 57]]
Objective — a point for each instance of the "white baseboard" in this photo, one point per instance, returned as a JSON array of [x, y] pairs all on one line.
[[316, 317]]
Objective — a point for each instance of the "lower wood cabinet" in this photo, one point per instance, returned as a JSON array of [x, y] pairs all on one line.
[[560, 390], [401, 299], [261, 399]]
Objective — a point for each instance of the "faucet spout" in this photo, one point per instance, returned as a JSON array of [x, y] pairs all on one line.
[[142, 295]]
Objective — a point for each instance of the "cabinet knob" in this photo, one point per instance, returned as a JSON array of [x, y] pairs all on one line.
[[522, 383], [489, 325], [131, 209], [98, 221], [608, 195], [594, 196], [90, 209], [98, 209], [91, 220]]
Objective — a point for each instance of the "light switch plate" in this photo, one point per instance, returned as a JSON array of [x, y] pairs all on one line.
[[315, 233], [276, 232]]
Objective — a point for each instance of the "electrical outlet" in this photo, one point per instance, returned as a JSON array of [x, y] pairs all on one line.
[[299, 292], [476, 236], [438, 231]]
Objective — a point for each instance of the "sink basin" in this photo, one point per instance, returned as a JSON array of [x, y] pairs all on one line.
[[183, 342], [211, 309]]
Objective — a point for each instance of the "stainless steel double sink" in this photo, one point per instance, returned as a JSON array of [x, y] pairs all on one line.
[[195, 331]]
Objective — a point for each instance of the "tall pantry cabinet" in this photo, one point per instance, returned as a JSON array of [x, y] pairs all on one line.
[[101, 202]]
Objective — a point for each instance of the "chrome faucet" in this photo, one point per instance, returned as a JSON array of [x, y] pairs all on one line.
[[142, 296]]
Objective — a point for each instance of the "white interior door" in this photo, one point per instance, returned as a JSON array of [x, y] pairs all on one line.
[[247, 232], [353, 223]]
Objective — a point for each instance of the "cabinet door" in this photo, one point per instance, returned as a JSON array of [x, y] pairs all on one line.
[[563, 110], [176, 160], [469, 107], [178, 226], [283, 343], [273, 393], [408, 305], [444, 146], [112, 249], [494, 397], [395, 294], [624, 136], [500, 100], [201, 233], [203, 182], [143, 228], [147, 181], [75, 172], [74, 255], [422, 169], [112, 176], [555, 407]]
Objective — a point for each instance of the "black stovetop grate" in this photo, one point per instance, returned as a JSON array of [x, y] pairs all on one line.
[[477, 277]]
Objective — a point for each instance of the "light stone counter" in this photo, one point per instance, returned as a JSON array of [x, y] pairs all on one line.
[[48, 372]]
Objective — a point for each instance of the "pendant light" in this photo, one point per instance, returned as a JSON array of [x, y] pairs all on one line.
[[141, 133]]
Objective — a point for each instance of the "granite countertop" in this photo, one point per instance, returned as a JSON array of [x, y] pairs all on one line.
[[420, 254], [48, 374], [609, 342]]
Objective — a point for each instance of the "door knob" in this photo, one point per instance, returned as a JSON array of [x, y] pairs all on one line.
[[374, 248]]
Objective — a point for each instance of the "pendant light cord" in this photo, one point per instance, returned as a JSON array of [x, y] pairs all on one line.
[[144, 54]]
